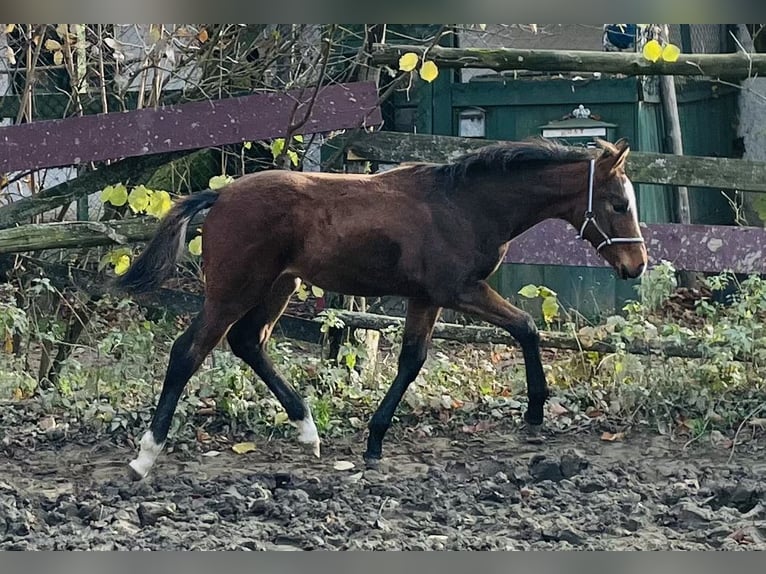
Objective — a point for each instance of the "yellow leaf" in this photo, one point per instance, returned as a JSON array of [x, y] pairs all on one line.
[[105, 194], [139, 197], [317, 291], [159, 204], [408, 62], [218, 181], [652, 50], [243, 447], [280, 418], [9, 28], [247, 145], [670, 53], [202, 36], [195, 245], [550, 308], [62, 30], [8, 346], [52, 45], [58, 57], [611, 437], [154, 33], [122, 264], [429, 71], [117, 195]]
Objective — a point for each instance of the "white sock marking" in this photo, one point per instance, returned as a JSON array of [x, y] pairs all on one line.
[[148, 454], [307, 432]]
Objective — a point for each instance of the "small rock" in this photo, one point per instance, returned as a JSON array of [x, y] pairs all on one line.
[[542, 468], [150, 512], [233, 492], [692, 513], [572, 463], [125, 527]]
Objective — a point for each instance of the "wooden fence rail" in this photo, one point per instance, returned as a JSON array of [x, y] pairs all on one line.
[[655, 168], [731, 66]]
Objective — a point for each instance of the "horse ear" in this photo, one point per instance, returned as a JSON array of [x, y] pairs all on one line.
[[614, 159]]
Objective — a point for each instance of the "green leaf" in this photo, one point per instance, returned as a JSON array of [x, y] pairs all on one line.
[[247, 145], [550, 309], [302, 293], [219, 181], [298, 138], [529, 291], [277, 146], [350, 360], [545, 292], [293, 156]]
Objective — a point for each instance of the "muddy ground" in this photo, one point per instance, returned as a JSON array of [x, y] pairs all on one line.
[[485, 491]]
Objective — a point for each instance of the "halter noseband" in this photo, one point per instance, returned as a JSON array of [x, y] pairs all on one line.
[[590, 217]]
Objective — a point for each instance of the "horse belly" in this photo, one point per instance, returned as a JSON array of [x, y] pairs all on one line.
[[371, 264]]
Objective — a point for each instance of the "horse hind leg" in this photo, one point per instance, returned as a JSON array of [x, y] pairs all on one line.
[[186, 356], [247, 339]]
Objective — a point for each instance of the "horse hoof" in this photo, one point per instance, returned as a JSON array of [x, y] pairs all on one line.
[[371, 462], [534, 434], [312, 447], [134, 474]]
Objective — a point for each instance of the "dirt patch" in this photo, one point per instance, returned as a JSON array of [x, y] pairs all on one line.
[[485, 491]]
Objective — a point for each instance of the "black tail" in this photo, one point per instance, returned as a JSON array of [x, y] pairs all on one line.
[[157, 262]]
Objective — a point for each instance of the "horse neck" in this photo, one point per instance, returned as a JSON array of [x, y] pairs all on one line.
[[512, 202]]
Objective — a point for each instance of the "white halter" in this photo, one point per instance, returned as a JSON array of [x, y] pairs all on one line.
[[590, 217]]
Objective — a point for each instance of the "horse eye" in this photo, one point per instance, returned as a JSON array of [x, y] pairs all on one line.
[[620, 207]]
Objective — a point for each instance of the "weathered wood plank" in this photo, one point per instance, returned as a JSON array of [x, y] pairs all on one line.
[[693, 171], [73, 141], [737, 65], [702, 248], [77, 234]]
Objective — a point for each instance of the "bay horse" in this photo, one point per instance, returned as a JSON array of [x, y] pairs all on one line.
[[431, 233]]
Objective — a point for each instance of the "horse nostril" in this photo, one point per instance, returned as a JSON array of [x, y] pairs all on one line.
[[640, 270]]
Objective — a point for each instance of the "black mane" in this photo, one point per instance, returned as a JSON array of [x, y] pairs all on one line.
[[509, 156]]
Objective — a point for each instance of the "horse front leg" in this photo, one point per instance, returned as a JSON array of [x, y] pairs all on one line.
[[485, 303], [418, 328]]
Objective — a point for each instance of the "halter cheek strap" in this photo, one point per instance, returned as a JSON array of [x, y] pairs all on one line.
[[590, 217]]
